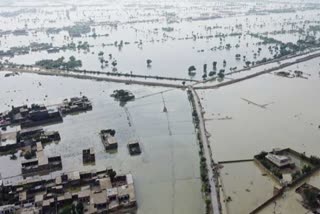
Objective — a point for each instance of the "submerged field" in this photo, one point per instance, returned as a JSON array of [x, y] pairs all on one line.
[[173, 36], [289, 118], [187, 40]]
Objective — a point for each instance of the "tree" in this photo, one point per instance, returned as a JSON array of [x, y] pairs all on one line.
[[212, 73], [221, 73], [306, 169], [204, 76], [72, 58], [296, 175], [214, 65], [112, 174], [28, 155], [101, 53], [248, 63], [205, 68], [79, 208], [191, 70], [315, 160], [114, 63], [311, 197]]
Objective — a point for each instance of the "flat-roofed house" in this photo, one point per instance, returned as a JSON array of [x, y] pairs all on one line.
[[279, 160]]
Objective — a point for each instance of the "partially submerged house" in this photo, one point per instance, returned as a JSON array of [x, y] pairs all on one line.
[[37, 115], [134, 148], [75, 104], [108, 139], [280, 161], [287, 166], [26, 116], [29, 137], [99, 192], [41, 164], [88, 156]]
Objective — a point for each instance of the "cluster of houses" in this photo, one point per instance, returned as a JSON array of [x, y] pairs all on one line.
[[37, 115], [28, 138], [98, 192], [74, 105], [41, 163], [32, 141], [25, 116], [31, 138], [110, 142]]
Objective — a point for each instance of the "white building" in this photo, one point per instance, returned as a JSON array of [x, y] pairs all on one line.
[[279, 160]]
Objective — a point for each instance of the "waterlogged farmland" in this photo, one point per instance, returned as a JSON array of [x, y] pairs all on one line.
[[200, 87], [122, 39]]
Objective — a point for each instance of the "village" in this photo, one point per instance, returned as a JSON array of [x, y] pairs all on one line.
[[91, 192], [86, 192]]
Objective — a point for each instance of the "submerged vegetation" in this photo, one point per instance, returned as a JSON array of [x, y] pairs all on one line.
[[60, 63], [171, 45], [123, 96]]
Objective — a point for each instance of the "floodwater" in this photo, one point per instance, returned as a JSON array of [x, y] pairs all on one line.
[[245, 184], [171, 52], [240, 130], [168, 168], [291, 202], [167, 172]]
